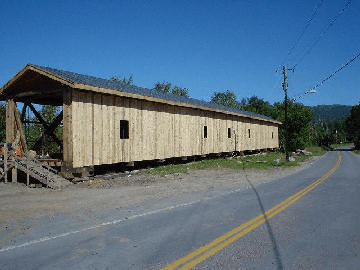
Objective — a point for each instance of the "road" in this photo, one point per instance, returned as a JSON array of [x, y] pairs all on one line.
[[309, 220]]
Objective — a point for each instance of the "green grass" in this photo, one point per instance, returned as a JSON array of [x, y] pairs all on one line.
[[356, 151], [246, 162], [316, 150]]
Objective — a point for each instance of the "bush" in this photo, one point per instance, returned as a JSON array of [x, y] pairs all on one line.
[[353, 126]]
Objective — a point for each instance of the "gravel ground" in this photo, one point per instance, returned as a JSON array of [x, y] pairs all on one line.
[[28, 213], [17, 202]]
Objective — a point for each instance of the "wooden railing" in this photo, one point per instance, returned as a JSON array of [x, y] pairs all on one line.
[[33, 167]]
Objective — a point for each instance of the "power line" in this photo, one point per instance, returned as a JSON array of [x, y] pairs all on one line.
[[324, 31], [301, 95], [313, 15], [338, 70]]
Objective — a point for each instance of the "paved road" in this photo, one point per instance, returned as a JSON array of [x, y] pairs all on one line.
[[318, 227]]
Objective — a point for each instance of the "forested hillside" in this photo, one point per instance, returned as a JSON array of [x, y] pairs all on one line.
[[329, 113]]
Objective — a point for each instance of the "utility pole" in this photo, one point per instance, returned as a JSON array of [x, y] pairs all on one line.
[[286, 103], [284, 85]]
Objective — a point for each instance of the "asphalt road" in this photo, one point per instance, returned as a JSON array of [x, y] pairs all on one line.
[[311, 221]]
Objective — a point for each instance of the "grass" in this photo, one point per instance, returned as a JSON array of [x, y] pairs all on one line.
[[316, 150], [356, 151], [239, 163]]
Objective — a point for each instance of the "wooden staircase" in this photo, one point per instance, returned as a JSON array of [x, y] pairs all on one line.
[[34, 168], [1, 169]]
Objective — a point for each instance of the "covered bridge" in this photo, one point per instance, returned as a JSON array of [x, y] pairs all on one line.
[[107, 122]]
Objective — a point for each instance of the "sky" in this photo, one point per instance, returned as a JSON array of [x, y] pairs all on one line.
[[204, 46]]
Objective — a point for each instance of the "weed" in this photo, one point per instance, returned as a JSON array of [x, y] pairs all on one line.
[[317, 150], [262, 161]]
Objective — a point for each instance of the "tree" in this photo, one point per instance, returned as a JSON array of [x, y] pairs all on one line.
[[49, 113], [300, 116], [180, 91], [322, 134], [256, 105], [34, 131], [124, 80], [165, 87], [227, 98], [353, 125], [299, 124]]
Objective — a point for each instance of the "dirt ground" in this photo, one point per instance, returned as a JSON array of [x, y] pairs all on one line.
[[18, 202]]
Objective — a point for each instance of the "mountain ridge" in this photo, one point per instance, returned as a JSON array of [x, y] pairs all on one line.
[[329, 113]]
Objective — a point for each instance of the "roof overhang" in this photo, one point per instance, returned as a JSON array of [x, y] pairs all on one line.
[[32, 84], [36, 85]]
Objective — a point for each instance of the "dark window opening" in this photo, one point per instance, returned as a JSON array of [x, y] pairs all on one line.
[[229, 132], [205, 131], [272, 135], [124, 129], [249, 132]]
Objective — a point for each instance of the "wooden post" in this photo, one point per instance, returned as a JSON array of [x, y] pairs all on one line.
[[5, 163], [14, 174], [10, 121], [130, 164], [19, 127], [27, 175], [67, 168], [10, 130]]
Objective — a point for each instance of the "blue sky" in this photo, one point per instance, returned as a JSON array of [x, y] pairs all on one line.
[[205, 46]]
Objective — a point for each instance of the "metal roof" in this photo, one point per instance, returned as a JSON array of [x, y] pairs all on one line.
[[118, 86]]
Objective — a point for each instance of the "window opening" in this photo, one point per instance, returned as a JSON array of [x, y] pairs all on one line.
[[249, 133], [229, 132], [124, 129], [205, 131]]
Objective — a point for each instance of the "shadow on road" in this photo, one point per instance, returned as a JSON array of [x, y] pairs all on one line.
[[275, 247]]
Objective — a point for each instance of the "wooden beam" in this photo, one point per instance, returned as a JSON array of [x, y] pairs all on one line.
[[67, 167], [19, 127], [27, 175], [14, 177], [10, 121], [50, 131], [37, 115], [37, 93], [11, 131], [12, 127], [38, 70], [23, 113], [45, 125], [6, 162], [31, 122]]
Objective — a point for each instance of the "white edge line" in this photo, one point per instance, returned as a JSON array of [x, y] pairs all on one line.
[[113, 222]]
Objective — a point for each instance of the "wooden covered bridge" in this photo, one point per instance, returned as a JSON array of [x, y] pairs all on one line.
[[107, 122]]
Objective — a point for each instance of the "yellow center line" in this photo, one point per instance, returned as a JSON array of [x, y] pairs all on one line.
[[228, 238]]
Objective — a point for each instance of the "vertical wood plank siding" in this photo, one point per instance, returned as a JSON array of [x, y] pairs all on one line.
[[67, 129], [156, 131]]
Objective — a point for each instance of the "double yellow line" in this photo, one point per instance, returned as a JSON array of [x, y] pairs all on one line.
[[201, 254]]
